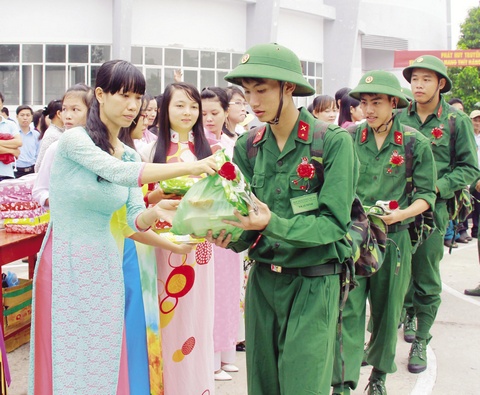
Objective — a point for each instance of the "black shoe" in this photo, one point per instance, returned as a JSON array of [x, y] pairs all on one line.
[[448, 244], [463, 238], [240, 346]]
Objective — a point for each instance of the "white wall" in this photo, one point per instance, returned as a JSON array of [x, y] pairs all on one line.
[[57, 21], [206, 24]]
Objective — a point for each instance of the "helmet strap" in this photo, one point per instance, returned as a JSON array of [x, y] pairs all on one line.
[[433, 96], [384, 126], [275, 120]]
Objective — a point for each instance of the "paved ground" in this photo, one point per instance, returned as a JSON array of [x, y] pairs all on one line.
[[453, 353]]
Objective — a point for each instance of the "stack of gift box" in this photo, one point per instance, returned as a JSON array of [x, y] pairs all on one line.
[[18, 210]]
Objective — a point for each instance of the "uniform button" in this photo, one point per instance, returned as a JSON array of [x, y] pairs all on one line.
[[377, 158], [280, 163], [374, 177], [278, 190], [277, 245]]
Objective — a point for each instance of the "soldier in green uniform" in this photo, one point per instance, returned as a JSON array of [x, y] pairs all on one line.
[[381, 145], [297, 236], [457, 164]]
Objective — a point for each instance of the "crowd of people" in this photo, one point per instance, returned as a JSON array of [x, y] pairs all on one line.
[[120, 309]]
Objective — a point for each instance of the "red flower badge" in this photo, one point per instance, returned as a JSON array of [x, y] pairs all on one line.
[[437, 133], [228, 171], [395, 160], [305, 171], [393, 205]]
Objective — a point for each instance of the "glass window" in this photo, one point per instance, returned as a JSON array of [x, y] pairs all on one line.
[[311, 69], [319, 70], [10, 83], [37, 98], [190, 58], [32, 53], [173, 57], [153, 56], [77, 74], [221, 79], [32, 84], [169, 72], [207, 78], [318, 86], [93, 75], [137, 55], [207, 59], [154, 81], [236, 59], [191, 76], [10, 53], [78, 53], [55, 53], [99, 53], [54, 82], [304, 67], [223, 60]]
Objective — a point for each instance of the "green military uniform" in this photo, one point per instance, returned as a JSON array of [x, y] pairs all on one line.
[[426, 282], [379, 180], [291, 318]]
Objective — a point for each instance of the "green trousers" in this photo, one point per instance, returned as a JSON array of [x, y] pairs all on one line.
[[423, 296], [290, 325], [386, 290]]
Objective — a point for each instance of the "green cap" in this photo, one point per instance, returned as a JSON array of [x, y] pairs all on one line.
[[407, 93], [271, 61], [379, 81], [429, 62]]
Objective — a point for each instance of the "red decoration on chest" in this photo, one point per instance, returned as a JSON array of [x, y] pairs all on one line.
[[398, 138], [302, 131], [364, 135], [259, 135]]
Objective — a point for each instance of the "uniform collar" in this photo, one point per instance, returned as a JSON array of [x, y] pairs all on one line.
[[412, 108], [175, 137], [395, 136]]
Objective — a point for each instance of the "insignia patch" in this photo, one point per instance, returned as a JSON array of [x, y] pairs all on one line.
[[419, 60], [259, 135], [302, 131], [369, 79], [245, 58], [364, 135], [398, 138]]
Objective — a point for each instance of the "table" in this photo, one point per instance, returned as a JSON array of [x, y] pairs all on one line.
[[14, 246]]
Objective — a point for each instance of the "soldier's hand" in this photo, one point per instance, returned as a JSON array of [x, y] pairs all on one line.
[[221, 240], [257, 219]]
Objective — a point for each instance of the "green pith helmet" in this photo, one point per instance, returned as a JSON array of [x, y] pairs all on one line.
[[407, 93], [271, 61], [429, 62], [379, 81]]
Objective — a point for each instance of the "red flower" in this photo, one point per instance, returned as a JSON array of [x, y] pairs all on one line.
[[437, 133], [228, 171], [305, 169], [393, 205], [396, 159]]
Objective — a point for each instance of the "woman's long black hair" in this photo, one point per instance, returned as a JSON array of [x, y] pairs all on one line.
[[345, 114], [201, 146], [113, 76]]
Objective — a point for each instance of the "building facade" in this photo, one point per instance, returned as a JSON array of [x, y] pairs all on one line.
[[48, 46]]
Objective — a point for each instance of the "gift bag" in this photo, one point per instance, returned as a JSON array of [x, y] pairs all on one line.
[[213, 199]]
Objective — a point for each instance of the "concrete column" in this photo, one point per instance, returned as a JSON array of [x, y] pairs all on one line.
[[340, 43], [122, 29], [262, 22]]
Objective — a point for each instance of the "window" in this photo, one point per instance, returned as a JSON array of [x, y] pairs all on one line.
[[9, 53], [173, 57], [9, 83], [32, 53], [153, 56], [54, 83], [55, 54], [154, 81], [78, 53]]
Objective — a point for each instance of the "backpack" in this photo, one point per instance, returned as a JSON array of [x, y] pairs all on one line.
[[423, 224], [367, 232]]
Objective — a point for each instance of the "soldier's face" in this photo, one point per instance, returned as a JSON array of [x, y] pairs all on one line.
[[377, 108], [263, 96], [425, 84], [476, 125]]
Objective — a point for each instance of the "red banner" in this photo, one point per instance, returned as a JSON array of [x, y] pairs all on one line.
[[452, 58]]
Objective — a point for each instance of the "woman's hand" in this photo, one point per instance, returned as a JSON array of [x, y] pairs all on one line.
[[183, 249], [157, 195], [207, 165]]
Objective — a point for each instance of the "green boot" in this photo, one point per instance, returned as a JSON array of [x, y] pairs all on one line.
[[473, 292], [417, 360], [409, 329], [376, 383], [337, 390]]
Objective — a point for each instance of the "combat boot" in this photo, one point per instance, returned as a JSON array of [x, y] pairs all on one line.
[[473, 292], [417, 360], [376, 383], [409, 329]]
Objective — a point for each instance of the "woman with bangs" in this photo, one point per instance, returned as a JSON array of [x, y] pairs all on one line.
[[77, 338], [185, 281]]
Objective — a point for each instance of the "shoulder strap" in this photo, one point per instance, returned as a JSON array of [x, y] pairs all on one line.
[[453, 136], [409, 143]]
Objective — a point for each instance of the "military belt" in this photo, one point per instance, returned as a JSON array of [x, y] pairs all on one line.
[[327, 269], [397, 228]]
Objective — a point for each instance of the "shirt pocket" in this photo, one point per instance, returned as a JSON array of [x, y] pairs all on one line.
[[258, 181], [300, 186]]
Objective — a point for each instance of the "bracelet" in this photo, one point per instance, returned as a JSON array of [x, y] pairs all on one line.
[[145, 199]]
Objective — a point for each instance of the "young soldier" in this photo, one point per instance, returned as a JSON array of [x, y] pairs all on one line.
[[430, 114], [297, 235], [387, 150]]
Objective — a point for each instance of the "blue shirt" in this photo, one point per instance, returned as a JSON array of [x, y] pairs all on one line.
[[9, 127], [29, 148]]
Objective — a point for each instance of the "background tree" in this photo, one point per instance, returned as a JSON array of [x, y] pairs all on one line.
[[466, 80]]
